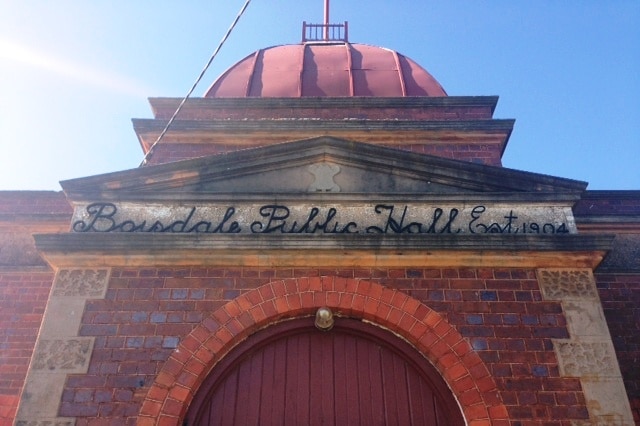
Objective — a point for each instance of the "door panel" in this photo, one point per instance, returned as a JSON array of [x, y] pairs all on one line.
[[293, 374]]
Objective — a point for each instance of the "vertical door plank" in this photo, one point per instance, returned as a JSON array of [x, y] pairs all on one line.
[[400, 372], [341, 390], [216, 406], [416, 405], [266, 394], [364, 384], [427, 399], [326, 396], [291, 402], [246, 392], [229, 398], [316, 379], [351, 379], [304, 380], [441, 415], [279, 374], [377, 403], [254, 391], [389, 388]]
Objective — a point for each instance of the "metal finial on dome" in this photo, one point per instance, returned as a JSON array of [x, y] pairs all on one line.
[[326, 20], [327, 65], [325, 32]]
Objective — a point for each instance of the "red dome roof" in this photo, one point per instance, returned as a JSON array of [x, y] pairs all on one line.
[[325, 69]]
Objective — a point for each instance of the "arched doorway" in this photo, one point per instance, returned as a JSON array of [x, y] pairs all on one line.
[[290, 373]]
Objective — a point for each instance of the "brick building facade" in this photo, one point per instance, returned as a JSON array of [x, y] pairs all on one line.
[[185, 291]]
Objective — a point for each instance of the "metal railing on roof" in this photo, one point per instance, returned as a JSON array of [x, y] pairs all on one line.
[[325, 32]]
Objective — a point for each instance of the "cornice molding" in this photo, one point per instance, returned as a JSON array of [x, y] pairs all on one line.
[[144, 125], [327, 102], [124, 249]]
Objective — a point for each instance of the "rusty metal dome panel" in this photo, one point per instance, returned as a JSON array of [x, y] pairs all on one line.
[[325, 70]]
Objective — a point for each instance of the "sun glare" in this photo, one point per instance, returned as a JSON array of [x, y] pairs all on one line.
[[20, 54]]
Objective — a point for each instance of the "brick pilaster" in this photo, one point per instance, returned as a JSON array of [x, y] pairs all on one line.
[[588, 354], [60, 350]]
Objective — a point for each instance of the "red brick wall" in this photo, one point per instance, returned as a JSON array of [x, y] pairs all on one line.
[[25, 283], [500, 312], [619, 292], [20, 204], [620, 296], [23, 297], [479, 153], [617, 203], [379, 113], [475, 153], [167, 153]]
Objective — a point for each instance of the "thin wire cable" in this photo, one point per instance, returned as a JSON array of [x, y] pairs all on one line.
[[204, 70]]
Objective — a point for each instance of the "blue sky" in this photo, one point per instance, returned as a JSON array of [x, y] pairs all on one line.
[[74, 72]]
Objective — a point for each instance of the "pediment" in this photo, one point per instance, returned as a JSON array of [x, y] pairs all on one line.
[[322, 201], [323, 165]]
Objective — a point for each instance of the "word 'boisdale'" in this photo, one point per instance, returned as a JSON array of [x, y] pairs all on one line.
[[276, 218]]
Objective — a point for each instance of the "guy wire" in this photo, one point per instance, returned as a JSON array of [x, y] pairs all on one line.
[[204, 70]]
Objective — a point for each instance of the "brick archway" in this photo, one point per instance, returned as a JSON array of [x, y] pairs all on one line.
[[463, 370]]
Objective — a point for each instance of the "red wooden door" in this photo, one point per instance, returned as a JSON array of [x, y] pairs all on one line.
[[293, 374]]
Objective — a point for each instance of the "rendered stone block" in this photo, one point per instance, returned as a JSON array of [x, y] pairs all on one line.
[[586, 359], [585, 319], [70, 356], [89, 283], [562, 284]]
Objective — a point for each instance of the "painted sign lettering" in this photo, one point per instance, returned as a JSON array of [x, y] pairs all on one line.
[[316, 219]]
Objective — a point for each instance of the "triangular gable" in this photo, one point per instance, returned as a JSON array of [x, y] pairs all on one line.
[[323, 202], [323, 164]]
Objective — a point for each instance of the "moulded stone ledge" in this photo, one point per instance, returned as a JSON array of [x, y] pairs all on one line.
[[127, 249]]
